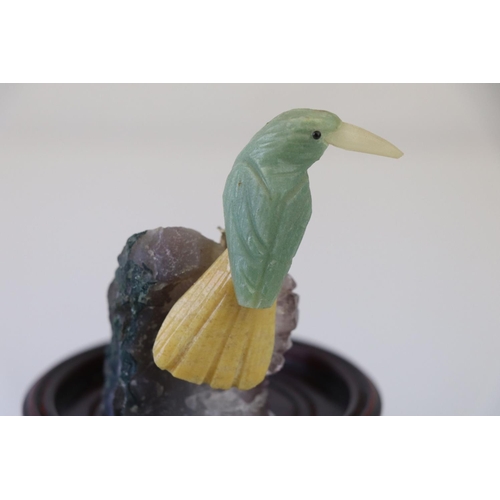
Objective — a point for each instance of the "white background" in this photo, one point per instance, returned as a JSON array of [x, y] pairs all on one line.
[[399, 269]]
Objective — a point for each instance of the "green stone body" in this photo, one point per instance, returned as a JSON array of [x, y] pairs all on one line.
[[267, 202]]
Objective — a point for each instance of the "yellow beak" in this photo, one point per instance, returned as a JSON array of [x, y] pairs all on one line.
[[354, 138]]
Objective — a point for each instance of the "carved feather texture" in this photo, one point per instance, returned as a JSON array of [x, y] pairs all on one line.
[[265, 222], [209, 338]]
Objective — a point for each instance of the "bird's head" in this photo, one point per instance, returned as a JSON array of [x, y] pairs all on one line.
[[300, 137]]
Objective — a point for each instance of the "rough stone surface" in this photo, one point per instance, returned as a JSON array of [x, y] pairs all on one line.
[[156, 268], [287, 317]]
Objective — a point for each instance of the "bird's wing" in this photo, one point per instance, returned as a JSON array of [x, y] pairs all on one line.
[[264, 226]]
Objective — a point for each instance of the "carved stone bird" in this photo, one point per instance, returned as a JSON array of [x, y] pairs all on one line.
[[221, 332]]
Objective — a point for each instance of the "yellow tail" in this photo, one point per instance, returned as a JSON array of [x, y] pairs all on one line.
[[209, 338]]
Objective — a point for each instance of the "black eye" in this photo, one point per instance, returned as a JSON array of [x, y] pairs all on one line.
[[316, 134]]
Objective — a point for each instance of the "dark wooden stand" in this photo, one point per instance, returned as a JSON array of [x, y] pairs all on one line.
[[312, 382]]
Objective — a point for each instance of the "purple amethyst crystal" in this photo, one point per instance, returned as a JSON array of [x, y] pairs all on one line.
[[156, 268]]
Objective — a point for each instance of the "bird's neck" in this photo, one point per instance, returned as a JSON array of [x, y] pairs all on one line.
[[281, 169]]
